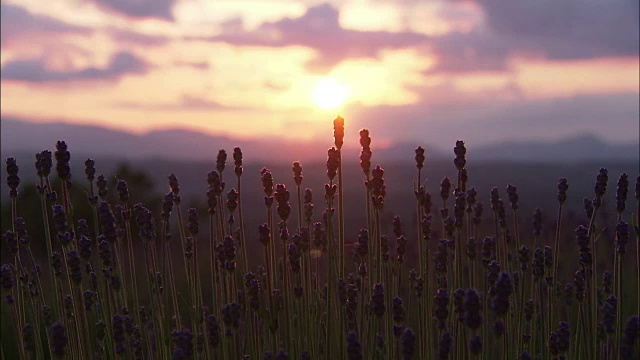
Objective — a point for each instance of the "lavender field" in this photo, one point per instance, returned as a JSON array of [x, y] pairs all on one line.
[[270, 267]]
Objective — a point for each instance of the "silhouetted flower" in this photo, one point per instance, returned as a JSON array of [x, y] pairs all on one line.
[[333, 162], [282, 198], [6, 277], [378, 188], [477, 213], [231, 315], [630, 337], [503, 290], [441, 311], [559, 340], [600, 187], [538, 264], [460, 152], [524, 257], [377, 300], [338, 131], [13, 180], [213, 330], [444, 346], [445, 188], [237, 161], [365, 154], [563, 186], [419, 157], [408, 344], [297, 173], [354, 349], [183, 341], [62, 156], [123, 190], [44, 163], [108, 222], [362, 246], [582, 238], [622, 237], [74, 266], [221, 161], [57, 339], [537, 222]]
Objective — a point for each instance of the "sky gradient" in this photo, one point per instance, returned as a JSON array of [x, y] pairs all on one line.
[[414, 71]]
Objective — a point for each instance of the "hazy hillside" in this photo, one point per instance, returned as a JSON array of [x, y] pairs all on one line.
[[20, 136], [583, 147]]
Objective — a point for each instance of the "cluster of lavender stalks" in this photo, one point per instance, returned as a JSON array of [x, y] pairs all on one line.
[[311, 296]]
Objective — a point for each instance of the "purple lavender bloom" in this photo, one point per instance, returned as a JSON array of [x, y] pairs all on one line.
[[408, 344], [354, 349], [377, 300], [622, 237], [441, 311], [621, 192], [630, 337], [444, 346], [213, 330], [183, 341], [563, 186], [6, 277], [57, 339]]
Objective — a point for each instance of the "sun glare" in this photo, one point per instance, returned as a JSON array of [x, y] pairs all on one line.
[[329, 94]]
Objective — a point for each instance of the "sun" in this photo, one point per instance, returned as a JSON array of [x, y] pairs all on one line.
[[329, 94]]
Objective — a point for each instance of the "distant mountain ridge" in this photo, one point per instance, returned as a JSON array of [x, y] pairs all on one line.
[[20, 136], [175, 144], [582, 147]]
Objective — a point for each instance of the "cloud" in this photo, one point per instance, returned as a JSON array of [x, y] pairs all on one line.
[[16, 23], [553, 30], [186, 103], [478, 51], [569, 29], [121, 64], [319, 29], [199, 65], [137, 39], [19, 26], [160, 9]]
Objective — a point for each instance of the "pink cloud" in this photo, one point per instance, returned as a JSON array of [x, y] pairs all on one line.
[[319, 29], [17, 23], [548, 29], [160, 9]]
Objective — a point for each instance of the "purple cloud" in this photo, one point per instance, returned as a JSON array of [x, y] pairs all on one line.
[[469, 52], [187, 102], [554, 30], [121, 64], [135, 38], [199, 65], [16, 23], [319, 29], [160, 9], [568, 29]]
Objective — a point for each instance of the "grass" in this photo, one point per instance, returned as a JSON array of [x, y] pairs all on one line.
[[117, 279]]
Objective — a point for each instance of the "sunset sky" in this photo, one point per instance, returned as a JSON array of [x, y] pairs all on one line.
[[409, 70]]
